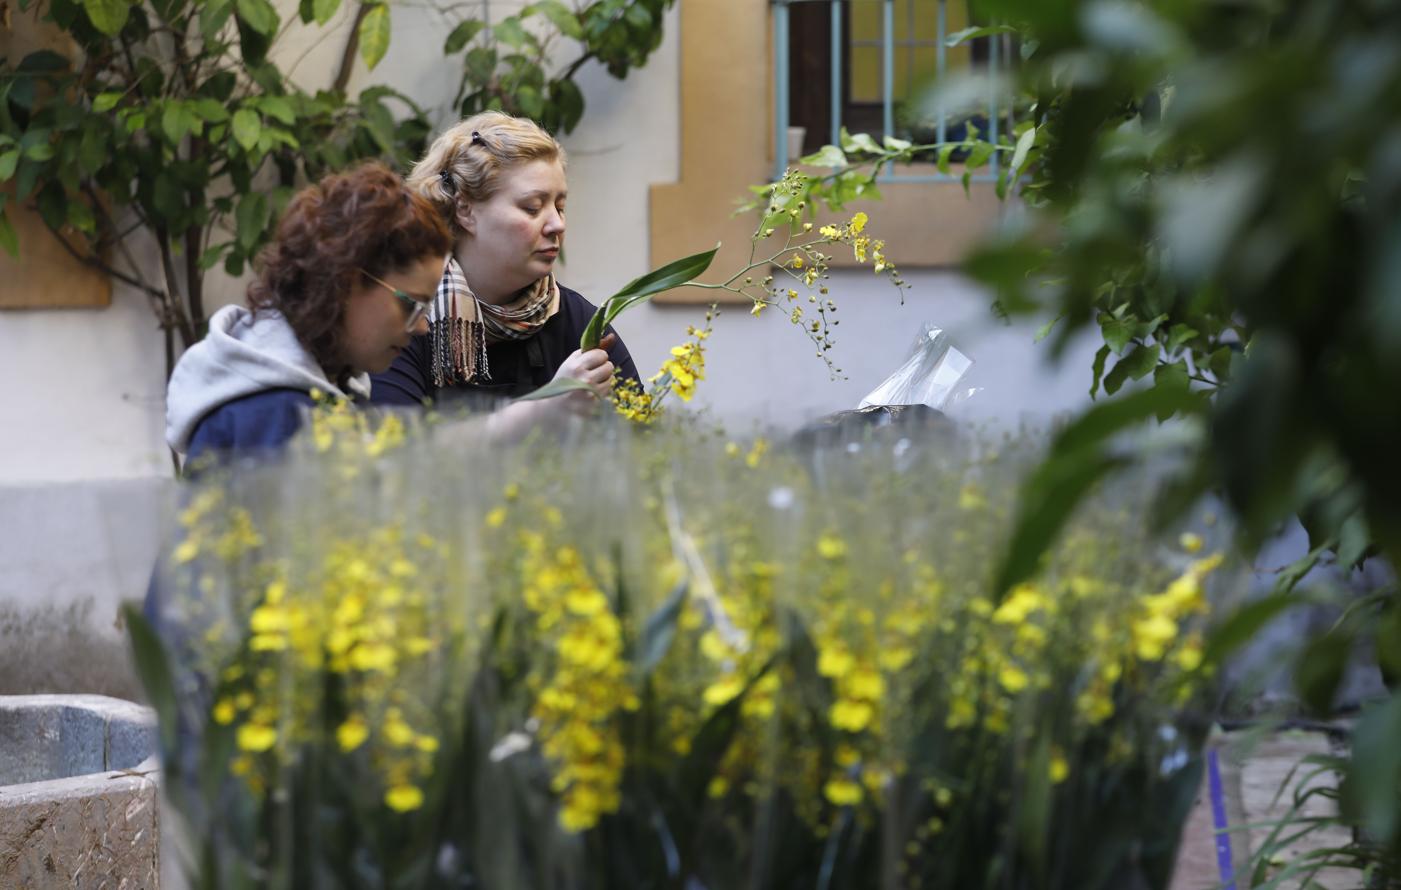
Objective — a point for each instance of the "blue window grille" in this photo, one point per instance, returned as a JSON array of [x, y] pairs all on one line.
[[890, 43]]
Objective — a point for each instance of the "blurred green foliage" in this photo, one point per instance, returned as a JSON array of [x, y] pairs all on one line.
[[173, 120], [513, 64], [1214, 187]]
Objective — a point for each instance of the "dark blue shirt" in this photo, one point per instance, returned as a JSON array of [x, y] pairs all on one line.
[[517, 367], [261, 422]]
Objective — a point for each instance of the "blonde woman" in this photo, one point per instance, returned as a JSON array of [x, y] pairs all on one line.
[[500, 323]]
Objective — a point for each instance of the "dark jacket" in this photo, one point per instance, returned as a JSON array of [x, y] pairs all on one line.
[[263, 421], [517, 367], [245, 387]]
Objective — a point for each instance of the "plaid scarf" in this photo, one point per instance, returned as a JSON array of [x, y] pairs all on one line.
[[460, 325], [523, 317]]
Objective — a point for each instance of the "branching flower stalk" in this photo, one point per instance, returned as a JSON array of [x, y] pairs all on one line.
[[798, 267]]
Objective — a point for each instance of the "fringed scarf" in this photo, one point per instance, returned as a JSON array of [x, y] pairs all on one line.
[[460, 326]]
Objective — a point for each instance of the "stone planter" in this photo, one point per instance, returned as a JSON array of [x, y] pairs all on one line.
[[78, 793]]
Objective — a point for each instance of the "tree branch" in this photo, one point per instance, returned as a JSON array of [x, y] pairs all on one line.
[[175, 306], [96, 262], [352, 47]]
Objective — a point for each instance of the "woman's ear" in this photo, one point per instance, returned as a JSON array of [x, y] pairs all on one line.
[[465, 217]]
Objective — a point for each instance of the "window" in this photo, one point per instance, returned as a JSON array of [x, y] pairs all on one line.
[[866, 65], [727, 47]]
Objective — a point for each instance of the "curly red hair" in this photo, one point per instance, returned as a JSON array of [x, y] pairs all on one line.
[[363, 220]]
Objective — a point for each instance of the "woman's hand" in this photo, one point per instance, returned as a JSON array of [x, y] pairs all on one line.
[[511, 423], [592, 367]]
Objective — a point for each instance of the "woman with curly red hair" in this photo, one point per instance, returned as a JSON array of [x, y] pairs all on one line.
[[341, 289]]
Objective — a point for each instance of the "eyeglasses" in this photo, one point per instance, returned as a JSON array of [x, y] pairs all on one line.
[[417, 308]]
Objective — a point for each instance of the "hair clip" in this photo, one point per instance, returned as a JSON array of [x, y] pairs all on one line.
[[477, 139], [446, 177]]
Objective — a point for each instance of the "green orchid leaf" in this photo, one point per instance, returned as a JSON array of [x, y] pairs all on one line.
[[557, 387], [153, 667], [673, 274], [660, 628]]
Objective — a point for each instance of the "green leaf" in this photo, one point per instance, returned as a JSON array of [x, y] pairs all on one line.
[[1388, 644], [1243, 624], [8, 161], [978, 155], [80, 216], [1097, 369], [860, 142], [52, 203], [176, 121], [1117, 332], [660, 628], [247, 126], [1290, 576], [826, 156], [1136, 365], [322, 11], [251, 218], [665, 278], [967, 34], [210, 257], [942, 161], [259, 14], [1033, 812], [45, 61], [1220, 361], [562, 18], [104, 102], [213, 16], [1354, 540], [1079, 457], [1369, 790], [153, 667], [39, 151], [1023, 150], [211, 110], [374, 35], [529, 102], [1174, 374], [569, 99], [107, 16], [462, 35], [1320, 671], [510, 32], [279, 108], [557, 387], [480, 64], [1178, 336], [26, 179], [638, 16], [894, 144], [1045, 331], [167, 197], [215, 750]]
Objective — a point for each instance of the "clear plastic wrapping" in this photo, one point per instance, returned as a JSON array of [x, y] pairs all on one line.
[[930, 376]]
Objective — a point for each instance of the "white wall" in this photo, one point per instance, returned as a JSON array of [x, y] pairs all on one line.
[[85, 393]]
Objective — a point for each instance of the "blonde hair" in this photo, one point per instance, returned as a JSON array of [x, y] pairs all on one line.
[[467, 161]]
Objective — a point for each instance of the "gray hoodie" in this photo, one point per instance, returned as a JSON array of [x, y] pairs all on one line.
[[241, 355]]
